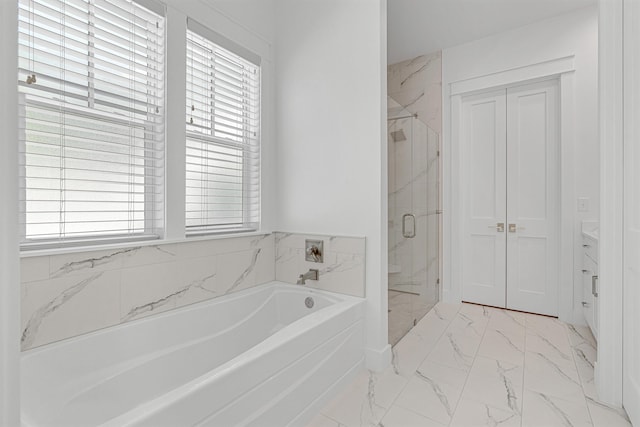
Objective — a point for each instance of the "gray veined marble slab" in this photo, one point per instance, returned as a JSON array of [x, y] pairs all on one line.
[[343, 268], [59, 308], [470, 413], [505, 320], [546, 391], [433, 392], [171, 299], [36, 318], [505, 345], [580, 334], [147, 290], [323, 421], [33, 269], [409, 79], [469, 325], [398, 416], [455, 350], [542, 409], [69, 264], [409, 353], [585, 355], [134, 282], [347, 245], [605, 416], [552, 377], [236, 271], [549, 327], [366, 400], [243, 279], [557, 350], [496, 383]]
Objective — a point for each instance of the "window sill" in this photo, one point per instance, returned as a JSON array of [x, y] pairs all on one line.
[[139, 243]]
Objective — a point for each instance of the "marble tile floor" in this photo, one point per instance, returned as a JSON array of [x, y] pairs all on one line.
[[404, 307], [469, 365]]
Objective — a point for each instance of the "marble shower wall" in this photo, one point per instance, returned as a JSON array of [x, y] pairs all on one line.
[[343, 270], [416, 85], [72, 294]]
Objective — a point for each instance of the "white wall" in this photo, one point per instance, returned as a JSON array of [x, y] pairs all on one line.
[[9, 261], [575, 34], [332, 154], [608, 368], [256, 16]]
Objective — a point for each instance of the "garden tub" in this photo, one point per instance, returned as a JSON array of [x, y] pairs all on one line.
[[265, 356]]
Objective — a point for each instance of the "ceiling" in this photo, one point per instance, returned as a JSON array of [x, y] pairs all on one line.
[[418, 27]]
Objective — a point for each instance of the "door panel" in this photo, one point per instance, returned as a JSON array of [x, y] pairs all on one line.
[[483, 142], [511, 174], [631, 223], [532, 194]]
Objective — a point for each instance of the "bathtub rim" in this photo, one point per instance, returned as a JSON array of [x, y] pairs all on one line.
[[276, 285]]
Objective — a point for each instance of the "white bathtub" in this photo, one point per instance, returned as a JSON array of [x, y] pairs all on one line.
[[257, 357]]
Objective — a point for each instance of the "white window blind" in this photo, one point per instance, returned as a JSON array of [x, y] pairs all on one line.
[[223, 135], [91, 88]]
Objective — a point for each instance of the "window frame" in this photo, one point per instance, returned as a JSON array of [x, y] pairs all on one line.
[[176, 23], [154, 182], [245, 145]]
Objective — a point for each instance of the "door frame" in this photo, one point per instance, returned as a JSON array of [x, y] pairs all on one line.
[[608, 369], [563, 69]]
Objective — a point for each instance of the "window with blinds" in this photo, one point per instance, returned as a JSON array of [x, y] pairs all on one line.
[[91, 90], [223, 134]]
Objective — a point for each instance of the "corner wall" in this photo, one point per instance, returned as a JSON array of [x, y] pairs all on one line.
[[9, 256], [331, 127], [573, 34]]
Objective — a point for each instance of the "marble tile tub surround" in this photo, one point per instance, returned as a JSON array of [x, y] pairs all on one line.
[[343, 270], [71, 294], [467, 365]]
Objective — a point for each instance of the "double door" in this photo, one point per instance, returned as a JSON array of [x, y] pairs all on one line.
[[510, 175]]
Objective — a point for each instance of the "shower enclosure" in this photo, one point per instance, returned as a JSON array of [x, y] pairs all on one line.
[[413, 152]]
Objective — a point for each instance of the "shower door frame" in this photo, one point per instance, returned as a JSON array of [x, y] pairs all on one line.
[[431, 278]]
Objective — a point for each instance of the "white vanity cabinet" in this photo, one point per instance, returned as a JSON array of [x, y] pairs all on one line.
[[590, 280]]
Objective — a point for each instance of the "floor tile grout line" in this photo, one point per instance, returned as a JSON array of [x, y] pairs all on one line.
[[524, 370], [531, 326], [565, 328], [453, 412], [421, 362], [584, 394]]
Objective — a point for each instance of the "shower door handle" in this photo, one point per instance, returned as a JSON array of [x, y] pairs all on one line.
[[408, 232]]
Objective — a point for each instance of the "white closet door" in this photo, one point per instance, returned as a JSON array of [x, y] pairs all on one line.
[[482, 135], [532, 197], [631, 273]]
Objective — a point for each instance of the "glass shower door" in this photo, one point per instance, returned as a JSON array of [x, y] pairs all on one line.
[[402, 228], [413, 223]]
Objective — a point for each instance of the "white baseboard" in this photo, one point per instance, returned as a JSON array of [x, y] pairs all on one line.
[[377, 360]]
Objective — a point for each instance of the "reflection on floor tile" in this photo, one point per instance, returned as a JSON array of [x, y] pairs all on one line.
[[467, 365], [404, 308]]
